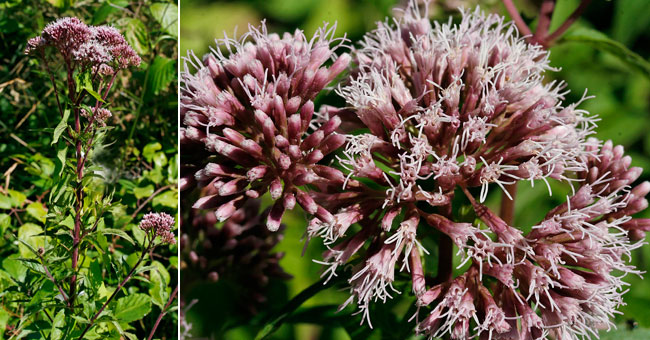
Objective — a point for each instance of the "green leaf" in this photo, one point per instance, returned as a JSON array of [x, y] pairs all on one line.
[[150, 149], [160, 74], [37, 211], [57, 324], [61, 156], [132, 307], [14, 268], [5, 222], [63, 124], [166, 14], [600, 41], [121, 233], [4, 318], [138, 234], [167, 199], [29, 233], [5, 202], [136, 34], [107, 8], [17, 198], [631, 18], [141, 192], [93, 93], [157, 289]]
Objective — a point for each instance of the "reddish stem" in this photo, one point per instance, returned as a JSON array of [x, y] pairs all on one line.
[[544, 21], [163, 312], [117, 290], [514, 14], [507, 211]]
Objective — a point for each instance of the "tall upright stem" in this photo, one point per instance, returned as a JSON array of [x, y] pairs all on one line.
[[79, 200], [163, 312], [117, 290]]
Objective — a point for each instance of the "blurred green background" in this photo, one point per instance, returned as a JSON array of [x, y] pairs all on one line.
[[615, 71]]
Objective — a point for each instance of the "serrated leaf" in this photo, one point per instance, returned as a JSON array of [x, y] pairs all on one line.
[[63, 124], [121, 233], [132, 307], [161, 72], [166, 14], [602, 42], [136, 34]]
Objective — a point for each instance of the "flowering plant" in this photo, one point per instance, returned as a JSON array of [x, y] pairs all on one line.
[[77, 266], [437, 117]]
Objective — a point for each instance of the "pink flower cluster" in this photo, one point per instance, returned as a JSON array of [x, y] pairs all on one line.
[[441, 113], [159, 224], [250, 123], [88, 45], [99, 116]]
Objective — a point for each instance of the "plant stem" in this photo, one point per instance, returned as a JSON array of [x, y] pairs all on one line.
[[163, 312], [76, 239], [155, 193], [507, 211], [56, 91], [544, 22], [117, 290], [49, 276], [569, 21], [445, 251], [514, 14]]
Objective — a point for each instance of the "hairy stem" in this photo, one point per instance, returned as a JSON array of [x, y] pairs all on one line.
[[117, 290], [163, 312]]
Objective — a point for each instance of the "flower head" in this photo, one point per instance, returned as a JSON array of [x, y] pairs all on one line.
[[252, 115], [465, 106], [99, 116], [88, 45], [159, 224]]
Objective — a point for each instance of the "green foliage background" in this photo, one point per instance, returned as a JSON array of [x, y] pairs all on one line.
[[606, 51], [138, 159]]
